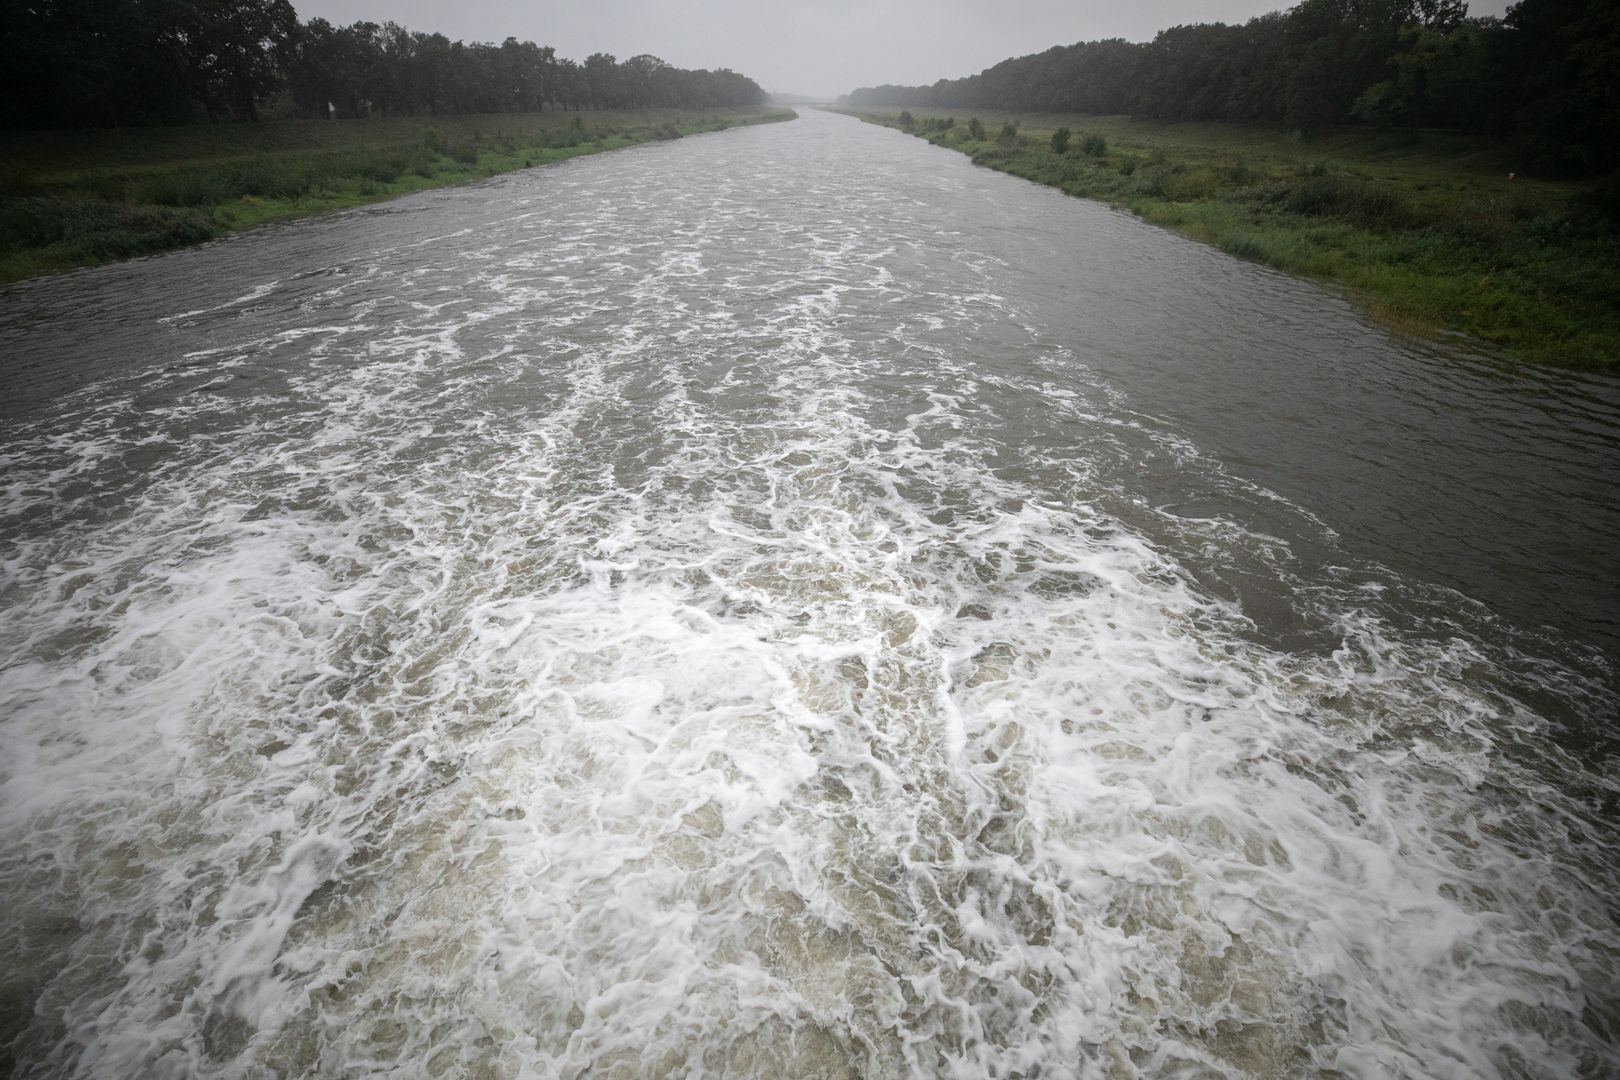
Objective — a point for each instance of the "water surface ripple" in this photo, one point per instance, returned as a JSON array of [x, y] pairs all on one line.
[[787, 602]]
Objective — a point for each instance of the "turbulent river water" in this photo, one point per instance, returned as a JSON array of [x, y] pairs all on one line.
[[789, 603]]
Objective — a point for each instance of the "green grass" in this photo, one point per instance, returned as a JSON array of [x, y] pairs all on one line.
[[77, 198], [1425, 230]]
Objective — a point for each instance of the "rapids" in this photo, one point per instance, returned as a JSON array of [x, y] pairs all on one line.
[[789, 603]]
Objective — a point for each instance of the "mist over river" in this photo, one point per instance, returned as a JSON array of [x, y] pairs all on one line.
[[788, 603]]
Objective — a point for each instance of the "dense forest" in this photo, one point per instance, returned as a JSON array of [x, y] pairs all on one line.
[[108, 63], [1546, 74]]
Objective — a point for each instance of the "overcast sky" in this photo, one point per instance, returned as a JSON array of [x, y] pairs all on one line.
[[817, 47]]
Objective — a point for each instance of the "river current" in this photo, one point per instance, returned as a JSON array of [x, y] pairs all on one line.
[[789, 603]]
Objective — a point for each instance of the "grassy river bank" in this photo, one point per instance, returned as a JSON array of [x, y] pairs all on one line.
[[77, 198], [1425, 229]]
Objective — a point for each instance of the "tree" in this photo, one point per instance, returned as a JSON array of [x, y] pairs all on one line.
[[602, 81], [643, 81], [1562, 56], [234, 52], [106, 62]]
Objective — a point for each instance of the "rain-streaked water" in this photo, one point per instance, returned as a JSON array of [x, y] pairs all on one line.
[[788, 603]]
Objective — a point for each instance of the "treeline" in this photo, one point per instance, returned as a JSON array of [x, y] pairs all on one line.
[[110, 63], [1544, 74]]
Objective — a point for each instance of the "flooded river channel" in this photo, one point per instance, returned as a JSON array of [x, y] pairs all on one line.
[[789, 603]]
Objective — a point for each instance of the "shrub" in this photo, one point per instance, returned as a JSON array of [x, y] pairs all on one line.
[[15, 181], [975, 129], [271, 180], [1095, 145], [1244, 246], [907, 121], [1153, 184], [1602, 203], [1060, 140], [382, 170], [193, 187], [1009, 134], [1239, 173], [1184, 185], [107, 187], [97, 229], [1364, 203]]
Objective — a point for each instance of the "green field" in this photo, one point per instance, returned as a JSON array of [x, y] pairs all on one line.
[[1425, 229], [76, 198]]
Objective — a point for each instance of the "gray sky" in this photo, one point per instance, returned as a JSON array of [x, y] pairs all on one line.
[[819, 47]]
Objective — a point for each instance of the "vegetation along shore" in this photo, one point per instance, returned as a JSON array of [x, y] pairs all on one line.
[[1431, 231], [80, 197], [132, 128], [1459, 173]]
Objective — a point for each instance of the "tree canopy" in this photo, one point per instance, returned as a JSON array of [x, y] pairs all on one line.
[[105, 63], [1544, 74]]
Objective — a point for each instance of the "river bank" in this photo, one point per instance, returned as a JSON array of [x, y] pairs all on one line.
[[78, 198], [1429, 232]]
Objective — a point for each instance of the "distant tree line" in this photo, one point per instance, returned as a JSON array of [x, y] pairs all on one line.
[[106, 63], [1547, 73]]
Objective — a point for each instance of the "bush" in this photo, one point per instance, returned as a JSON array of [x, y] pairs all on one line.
[[271, 180], [1364, 203], [907, 121], [1153, 184], [1060, 140], [1602, 202], [1009, 134], [97, 229], [194, 187], [1184, 185], [382, 170], [1244, 246], [16, 181], [1239, 173], [975, 130], [1095, 145]]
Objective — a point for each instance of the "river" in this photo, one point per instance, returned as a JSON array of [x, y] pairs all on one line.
[[788, 602]]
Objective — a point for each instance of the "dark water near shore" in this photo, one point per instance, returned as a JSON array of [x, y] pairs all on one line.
[[789, 601]]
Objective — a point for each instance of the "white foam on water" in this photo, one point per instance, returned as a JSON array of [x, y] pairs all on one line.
[[524, 691]]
